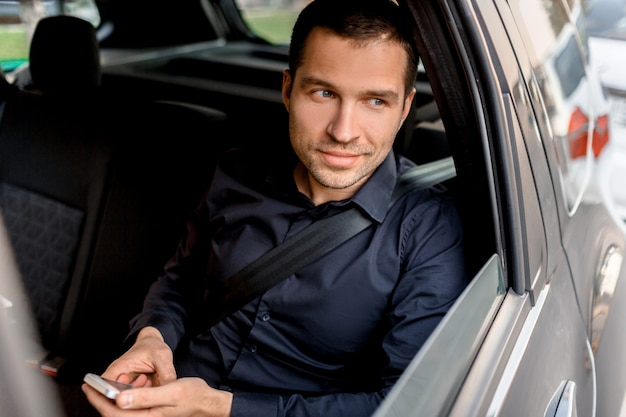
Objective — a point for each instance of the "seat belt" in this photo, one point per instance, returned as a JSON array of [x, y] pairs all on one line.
[[316, 240]]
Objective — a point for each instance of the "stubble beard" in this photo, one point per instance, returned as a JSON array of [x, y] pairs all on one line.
[[333, 177]]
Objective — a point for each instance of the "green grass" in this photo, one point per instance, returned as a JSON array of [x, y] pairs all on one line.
[[13, 48]]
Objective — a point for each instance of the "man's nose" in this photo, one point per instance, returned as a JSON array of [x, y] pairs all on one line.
[[344, 125]]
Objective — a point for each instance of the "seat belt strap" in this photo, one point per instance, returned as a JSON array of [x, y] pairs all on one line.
[[423, 176], [316, 240]]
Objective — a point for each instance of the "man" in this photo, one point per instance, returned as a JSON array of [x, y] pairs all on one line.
[[332, 339]]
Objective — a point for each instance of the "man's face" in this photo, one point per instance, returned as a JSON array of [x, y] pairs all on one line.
[[346, 104]]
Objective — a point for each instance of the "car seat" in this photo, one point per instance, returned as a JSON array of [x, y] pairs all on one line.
[[54, 168], [94, 191]]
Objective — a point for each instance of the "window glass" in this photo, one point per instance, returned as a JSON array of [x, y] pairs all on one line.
[[13, 45], [559, 65], [272, 20], [569, 68], [18, 19]]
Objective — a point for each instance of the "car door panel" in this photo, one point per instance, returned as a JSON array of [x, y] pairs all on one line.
[[532, 368], [536, 369], [556, 312], [515, 372], [593, 245]]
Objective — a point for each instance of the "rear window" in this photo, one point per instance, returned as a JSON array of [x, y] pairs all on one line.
[[569, 67]]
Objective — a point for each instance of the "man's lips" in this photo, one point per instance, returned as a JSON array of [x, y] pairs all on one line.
[[340, 159]]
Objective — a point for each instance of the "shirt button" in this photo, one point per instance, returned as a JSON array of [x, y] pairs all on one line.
[[253, 348], [266, 317]]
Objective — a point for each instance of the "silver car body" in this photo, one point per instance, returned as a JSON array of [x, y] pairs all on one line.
[[540, 330]]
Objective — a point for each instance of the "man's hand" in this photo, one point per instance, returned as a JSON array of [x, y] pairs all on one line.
[[149, 366], [149, 362], [185, 397]]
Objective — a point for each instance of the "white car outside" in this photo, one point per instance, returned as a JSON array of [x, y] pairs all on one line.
[[606, 26]]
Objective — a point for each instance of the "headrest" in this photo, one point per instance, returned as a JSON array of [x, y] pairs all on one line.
[[64, 55]]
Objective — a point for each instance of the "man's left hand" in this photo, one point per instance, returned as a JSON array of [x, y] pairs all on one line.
[[184, 397]]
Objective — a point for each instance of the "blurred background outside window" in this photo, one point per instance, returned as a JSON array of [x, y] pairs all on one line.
[[272, 20]]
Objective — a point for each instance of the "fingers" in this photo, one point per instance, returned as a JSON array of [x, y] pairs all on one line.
[[149, 356], [142, 380], [136, 380], [139, 398], [148, 363], [165, 373], [174, 395], [120, 406], [103, 405], [184, 397]]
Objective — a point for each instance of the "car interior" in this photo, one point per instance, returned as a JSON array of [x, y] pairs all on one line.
[[17, 340], [98, 171]]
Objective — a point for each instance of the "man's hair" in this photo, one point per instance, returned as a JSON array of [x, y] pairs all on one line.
[[361, 21]]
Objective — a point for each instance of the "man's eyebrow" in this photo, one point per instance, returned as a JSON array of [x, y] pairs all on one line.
[[309, 80], [389, 95]]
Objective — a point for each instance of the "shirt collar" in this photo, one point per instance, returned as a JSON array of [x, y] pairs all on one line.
[[373, 197]]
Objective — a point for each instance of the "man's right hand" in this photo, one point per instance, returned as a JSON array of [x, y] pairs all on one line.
[[149, 362]]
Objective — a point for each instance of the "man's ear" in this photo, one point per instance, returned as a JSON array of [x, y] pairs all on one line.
[[287, 83]]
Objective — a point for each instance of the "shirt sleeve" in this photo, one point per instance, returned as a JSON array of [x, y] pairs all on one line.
[[433, 277]]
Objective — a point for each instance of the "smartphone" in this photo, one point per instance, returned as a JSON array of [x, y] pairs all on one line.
[[106, 387]]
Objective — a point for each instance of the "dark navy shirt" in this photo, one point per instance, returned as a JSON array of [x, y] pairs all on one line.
[[332, 339]]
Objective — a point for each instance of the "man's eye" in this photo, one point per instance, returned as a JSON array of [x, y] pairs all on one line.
[[376, 102], [324, 93]]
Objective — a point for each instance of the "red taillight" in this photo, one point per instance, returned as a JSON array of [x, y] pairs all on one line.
[[577, 134], [600, 134]]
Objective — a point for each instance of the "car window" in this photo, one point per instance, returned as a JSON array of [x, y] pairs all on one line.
[[560, 68], [18, 19], [568, 67], [271, 20]]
